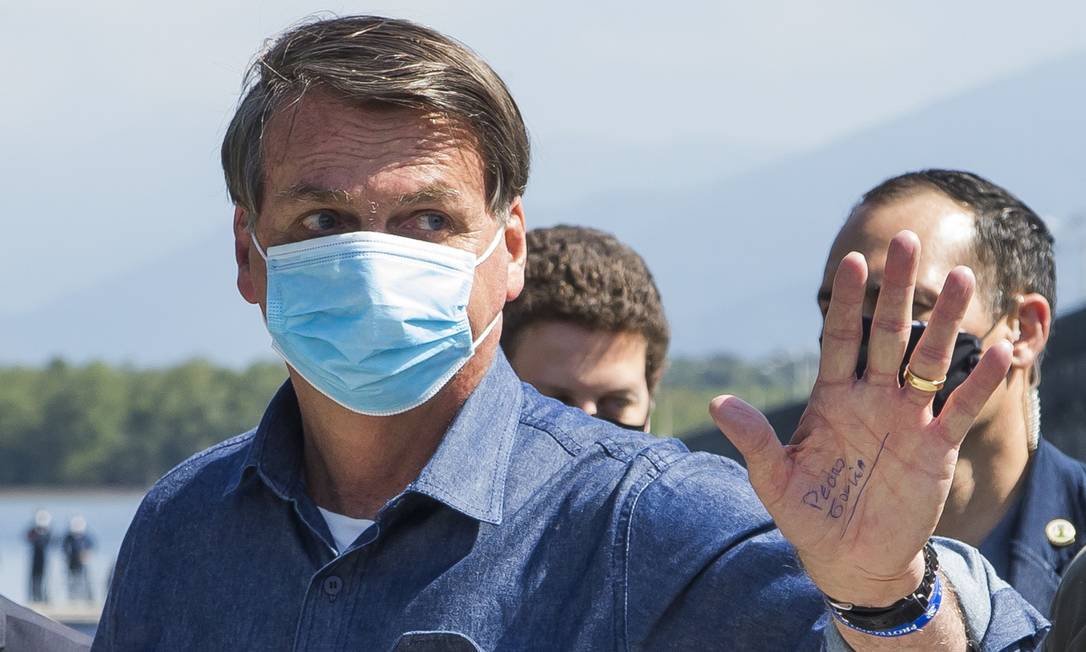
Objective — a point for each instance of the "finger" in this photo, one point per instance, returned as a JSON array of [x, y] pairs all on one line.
[[842, 330], [892, 321], [933, 352], [750, 432], [966, 402]]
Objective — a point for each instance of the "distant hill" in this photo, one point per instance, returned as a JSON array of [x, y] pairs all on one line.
[[739, 262], [738, 258]]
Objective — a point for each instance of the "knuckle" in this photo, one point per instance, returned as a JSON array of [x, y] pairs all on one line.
[[846, 334], [831, 377], [892, 324], [945, 432], [967, 402], [880, 377], [930, 356], [846, 297], [917, 397]]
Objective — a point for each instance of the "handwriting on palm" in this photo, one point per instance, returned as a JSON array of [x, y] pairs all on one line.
[[861, 485]]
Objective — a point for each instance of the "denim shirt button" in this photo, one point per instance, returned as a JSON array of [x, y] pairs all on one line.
[[332, 585]]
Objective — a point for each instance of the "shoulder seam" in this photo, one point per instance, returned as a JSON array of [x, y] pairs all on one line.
[[234, 441], [658, 464], [650, 475], [554, 431]]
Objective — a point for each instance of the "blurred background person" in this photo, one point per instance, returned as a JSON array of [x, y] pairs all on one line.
[[39, 536], [589, 328], [1015, 496], [77, 548]]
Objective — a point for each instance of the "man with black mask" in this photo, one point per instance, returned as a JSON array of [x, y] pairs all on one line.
[[1014, 495], [589, 328]]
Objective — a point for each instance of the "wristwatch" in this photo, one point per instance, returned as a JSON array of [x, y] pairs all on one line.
[[905, 616]]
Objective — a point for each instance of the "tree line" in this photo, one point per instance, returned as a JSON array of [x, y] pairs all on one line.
[[99, 424], [107, 425]]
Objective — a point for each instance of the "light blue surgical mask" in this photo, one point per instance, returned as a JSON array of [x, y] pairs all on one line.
[[376, 322]]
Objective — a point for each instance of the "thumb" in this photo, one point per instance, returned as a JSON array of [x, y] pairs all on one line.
[[749, 431]]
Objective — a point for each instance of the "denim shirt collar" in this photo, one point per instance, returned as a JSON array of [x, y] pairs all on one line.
[[469, 469], [467, 472], [275, 453]]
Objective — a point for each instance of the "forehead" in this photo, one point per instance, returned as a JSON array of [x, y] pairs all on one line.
[[945, 228], [562, 354], [324, 141]]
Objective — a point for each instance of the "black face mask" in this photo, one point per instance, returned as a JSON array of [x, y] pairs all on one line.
[[966, 356], [627, 426]]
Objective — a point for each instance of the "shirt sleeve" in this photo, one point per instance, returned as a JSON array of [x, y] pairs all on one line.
[[705, 566], [997, 619], [117, 607]]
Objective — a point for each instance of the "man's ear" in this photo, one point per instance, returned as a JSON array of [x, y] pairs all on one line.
[[516, 243], [1034, 324], [243, 250]]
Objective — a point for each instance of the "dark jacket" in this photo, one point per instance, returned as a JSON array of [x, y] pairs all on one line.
[[1055, 488], [1069, 610], [23, 630]]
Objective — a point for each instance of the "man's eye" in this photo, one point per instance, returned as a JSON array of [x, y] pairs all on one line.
[[431, 222], [320, 222], [615, 404]]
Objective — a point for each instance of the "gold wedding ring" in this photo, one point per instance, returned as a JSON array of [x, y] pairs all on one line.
[[923, 384]]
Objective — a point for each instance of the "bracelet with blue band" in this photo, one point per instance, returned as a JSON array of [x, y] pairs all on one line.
[[909, 628], [906, 616]]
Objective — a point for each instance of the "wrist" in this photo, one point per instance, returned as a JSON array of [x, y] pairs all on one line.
[[869, 590], [907, 615]]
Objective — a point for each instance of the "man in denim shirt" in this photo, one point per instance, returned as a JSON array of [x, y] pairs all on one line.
[[405, 492]]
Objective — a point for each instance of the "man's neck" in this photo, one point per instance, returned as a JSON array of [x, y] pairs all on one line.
[[989, 476], [354, 463]]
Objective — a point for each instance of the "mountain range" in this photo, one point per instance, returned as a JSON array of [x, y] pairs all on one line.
[[736, 237]]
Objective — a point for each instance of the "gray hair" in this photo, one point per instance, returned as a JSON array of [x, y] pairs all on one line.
[[375, 61]]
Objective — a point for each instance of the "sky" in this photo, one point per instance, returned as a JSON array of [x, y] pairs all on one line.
[[115, 110]]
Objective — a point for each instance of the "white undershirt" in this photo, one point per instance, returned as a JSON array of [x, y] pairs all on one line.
[[344, 528]]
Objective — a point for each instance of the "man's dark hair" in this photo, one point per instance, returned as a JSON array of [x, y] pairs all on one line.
[[1013, 247], [589, 278], [383, 62]]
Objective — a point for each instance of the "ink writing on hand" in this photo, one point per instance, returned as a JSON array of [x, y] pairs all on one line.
[[836, 489], [835, 493]]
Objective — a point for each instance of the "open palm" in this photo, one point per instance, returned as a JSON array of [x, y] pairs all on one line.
[[861, 486]]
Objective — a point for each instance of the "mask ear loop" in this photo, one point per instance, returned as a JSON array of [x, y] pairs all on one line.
[[259, 249], [498, 237]]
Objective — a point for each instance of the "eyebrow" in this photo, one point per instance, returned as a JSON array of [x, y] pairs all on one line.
[[432, 193], [309, 192]]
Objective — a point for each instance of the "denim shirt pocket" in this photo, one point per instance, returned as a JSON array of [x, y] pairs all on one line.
[[436, 642]]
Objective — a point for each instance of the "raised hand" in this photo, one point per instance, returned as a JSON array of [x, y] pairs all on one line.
[[861, 486]]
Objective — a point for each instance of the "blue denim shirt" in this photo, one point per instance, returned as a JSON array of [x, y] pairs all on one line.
[[533, 527]]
